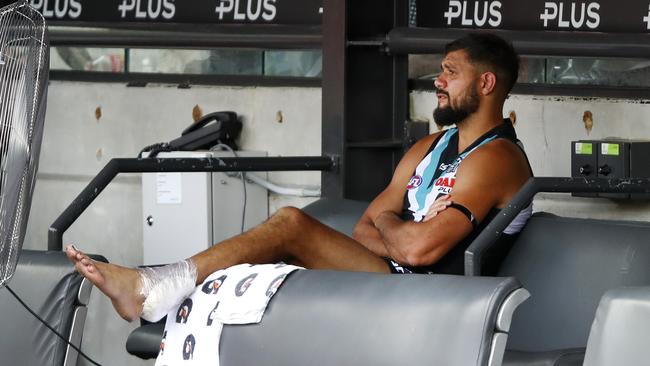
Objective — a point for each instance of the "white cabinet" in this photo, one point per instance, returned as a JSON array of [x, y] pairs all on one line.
[[184, 213]]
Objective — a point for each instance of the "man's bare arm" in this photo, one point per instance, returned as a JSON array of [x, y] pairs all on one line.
[[422, 243], [373, 239], [367, 234], [488, 178], [390, 199]]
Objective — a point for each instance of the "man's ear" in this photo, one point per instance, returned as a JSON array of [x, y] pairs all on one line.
[[487, 83]]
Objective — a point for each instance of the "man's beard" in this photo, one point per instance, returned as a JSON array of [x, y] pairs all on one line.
[[447, 116]]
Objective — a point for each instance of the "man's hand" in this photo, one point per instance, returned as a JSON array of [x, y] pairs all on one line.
[[391, 199], [418, 243], [391, 229], [438, 206]]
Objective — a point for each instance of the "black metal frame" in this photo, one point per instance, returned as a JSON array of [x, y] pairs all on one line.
[[185, 80], [403, 40], [155, 165], [492, 232], [187, 36], [365, 95], [533, 43], [571, 44], [333, 120], [567, 90]]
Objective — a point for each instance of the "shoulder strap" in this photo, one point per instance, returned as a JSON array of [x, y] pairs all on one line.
[[436, 141]]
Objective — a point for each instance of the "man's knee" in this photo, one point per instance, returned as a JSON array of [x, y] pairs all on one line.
[[295, 225], [291, 216]]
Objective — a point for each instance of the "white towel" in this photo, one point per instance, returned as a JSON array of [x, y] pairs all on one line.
[[236, 295]]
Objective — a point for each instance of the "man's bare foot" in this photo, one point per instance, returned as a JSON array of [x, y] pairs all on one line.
[[122, 285]]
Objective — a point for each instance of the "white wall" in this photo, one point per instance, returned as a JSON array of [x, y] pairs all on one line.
[[547, 125], [77, 145]]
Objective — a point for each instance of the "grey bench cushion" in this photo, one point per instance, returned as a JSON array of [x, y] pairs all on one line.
[[345, 318], [47, 282], [567, 265]]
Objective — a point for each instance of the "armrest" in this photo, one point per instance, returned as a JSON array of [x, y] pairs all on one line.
[[144, 341], [486, 239]]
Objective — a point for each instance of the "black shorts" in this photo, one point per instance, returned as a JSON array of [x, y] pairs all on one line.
[[396, 267]]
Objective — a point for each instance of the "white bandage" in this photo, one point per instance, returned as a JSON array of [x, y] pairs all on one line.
[[166, 287]]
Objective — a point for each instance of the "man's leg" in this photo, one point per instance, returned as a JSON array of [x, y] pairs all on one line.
[[289, 235]]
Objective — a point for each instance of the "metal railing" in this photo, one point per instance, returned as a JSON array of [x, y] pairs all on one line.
[[405, 40], [188, 36], [180, 165], [492, 232]]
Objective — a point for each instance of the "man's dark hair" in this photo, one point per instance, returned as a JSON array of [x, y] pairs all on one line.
[[492, 52]]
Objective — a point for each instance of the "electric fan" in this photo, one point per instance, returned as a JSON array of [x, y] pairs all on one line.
[[24, 65]]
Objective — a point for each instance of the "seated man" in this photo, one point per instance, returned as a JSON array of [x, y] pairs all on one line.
[[445, 187]]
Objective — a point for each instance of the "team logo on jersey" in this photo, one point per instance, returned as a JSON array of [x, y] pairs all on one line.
[[211, 287], [415, 182], [244, 284], [444, 185], [446, 182]]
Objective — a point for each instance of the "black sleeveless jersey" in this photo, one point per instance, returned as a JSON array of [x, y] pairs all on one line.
[[435, 176]]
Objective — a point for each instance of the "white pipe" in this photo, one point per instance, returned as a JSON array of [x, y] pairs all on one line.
[[285, 191]]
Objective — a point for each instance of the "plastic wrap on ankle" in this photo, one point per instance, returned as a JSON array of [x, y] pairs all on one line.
[[166, 287]]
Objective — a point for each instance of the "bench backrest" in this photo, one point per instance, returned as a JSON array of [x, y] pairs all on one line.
[[619, 334], [345, 318], [567, 264]]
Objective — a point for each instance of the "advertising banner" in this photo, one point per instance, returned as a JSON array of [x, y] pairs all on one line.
[[287, 12], [612, 16]]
